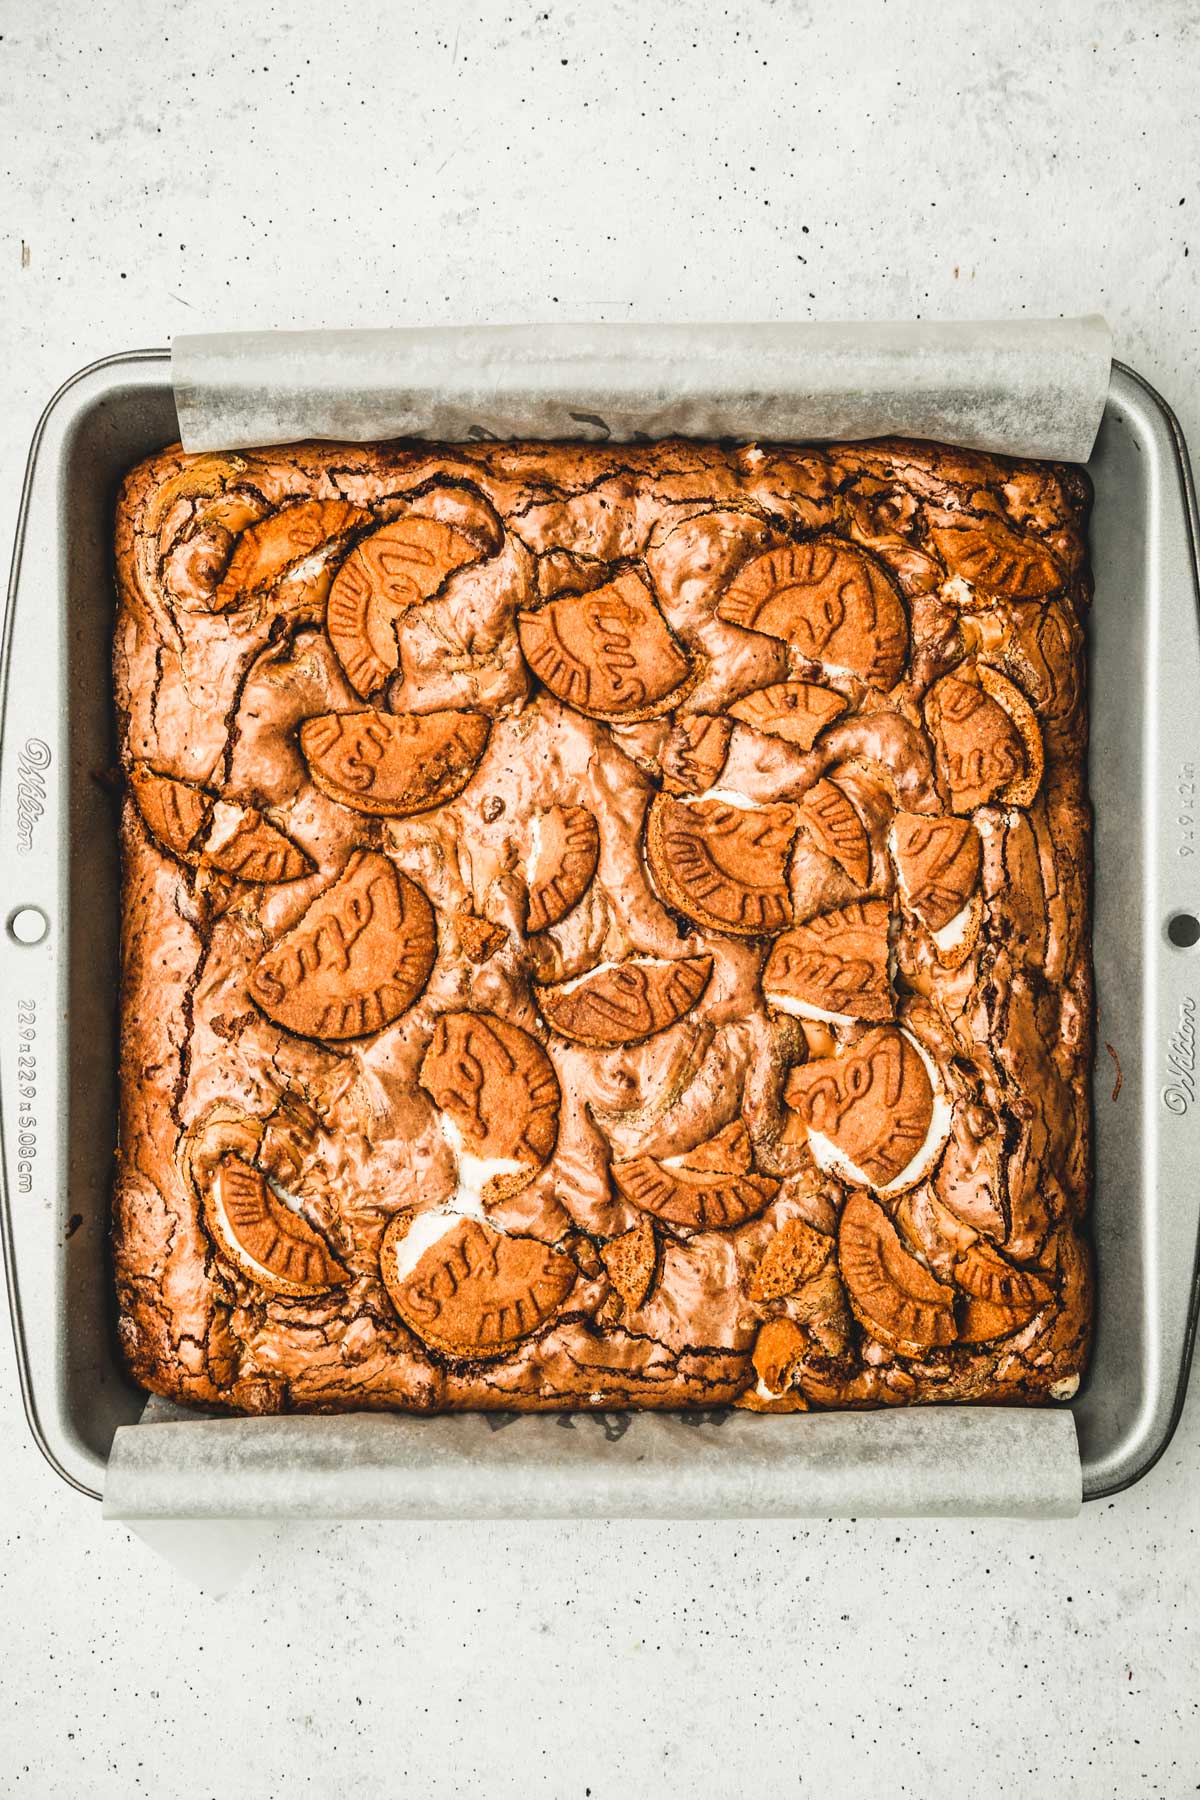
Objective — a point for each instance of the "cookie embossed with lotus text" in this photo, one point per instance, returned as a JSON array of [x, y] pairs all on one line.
[[393, 764], [394, 568], [893, 1295], [622, 1003], [797, 711], [834, 966], [499, 1087], [264, 1239], [724, 865], [938, 861], [566, 851], [273, 546], [357, 958], [836, 829], [473, 1292], [869, 1112], [986, 739], [709, 1188], [829, 603], [608, 653], [205, 831]]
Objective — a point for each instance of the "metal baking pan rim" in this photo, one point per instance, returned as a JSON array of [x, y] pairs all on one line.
[[1159, 1449], [87, 1463]]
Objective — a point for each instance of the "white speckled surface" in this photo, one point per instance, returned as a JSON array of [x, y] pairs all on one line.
[[166, 168]]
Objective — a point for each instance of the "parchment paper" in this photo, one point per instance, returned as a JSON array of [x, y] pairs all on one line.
[[1022, 387], [919, 1461], [1031, 388]]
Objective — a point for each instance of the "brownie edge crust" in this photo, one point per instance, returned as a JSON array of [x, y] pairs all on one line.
[[603, 927]]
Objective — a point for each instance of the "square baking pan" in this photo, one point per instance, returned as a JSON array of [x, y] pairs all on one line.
[[58, 945]]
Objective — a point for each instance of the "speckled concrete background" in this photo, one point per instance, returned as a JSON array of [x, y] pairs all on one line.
[[170, 168]]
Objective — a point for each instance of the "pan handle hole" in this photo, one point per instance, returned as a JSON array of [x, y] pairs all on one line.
[[1183, 929], [28, 925]]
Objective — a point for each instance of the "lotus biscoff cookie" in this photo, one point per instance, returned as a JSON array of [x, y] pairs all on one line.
[[603, 927]]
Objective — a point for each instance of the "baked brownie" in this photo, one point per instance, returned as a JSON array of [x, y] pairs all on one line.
[[603, 927]]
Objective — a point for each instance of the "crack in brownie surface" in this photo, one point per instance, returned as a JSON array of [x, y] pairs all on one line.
[[603, 927]]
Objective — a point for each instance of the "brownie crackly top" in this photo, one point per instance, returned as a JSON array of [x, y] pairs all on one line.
[[603, 926]]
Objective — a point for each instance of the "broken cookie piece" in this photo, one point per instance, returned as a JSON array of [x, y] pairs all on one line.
[[388, 571], [204, 831], [264, 1238], [609, 653], [893, 1296], [563, 858], [709, 1188], [622, 1003], [467, 1290], [631, 1261], [829, 603], [498, 1086], [723, 861]]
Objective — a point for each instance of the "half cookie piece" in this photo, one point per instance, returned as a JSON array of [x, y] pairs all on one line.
[[796, 711], [274, 547], [565, 852], [723, 861], [387, 572], [466, 1289], [831, 604], [609, 653], [875, 1114], [710, 1188], [356, 959], [938, 863], [893, 1295], [205, 831], [986, 739], [622, 1003], [263, 1238], [834, 967], [393, 764], [498, 1087]]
